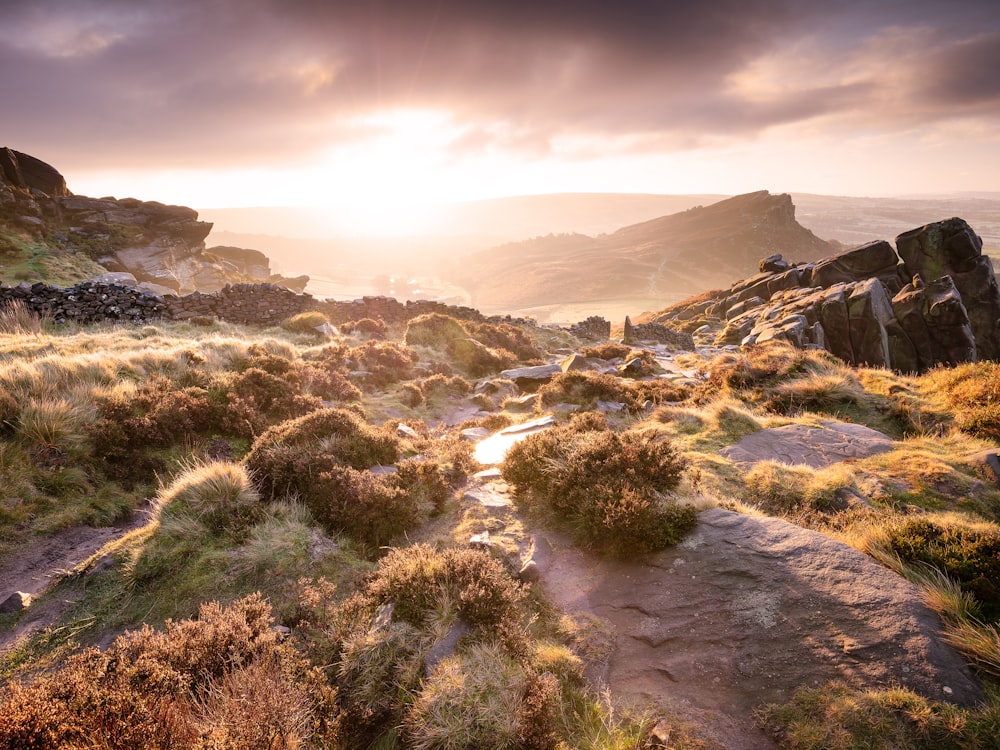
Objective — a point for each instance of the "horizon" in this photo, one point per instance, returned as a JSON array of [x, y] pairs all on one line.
[[387, 110]]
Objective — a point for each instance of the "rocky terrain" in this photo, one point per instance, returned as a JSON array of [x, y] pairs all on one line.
[[764, 519], [932, 299], [149, 245]]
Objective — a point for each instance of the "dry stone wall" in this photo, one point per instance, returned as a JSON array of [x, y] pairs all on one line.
[[247, 304]]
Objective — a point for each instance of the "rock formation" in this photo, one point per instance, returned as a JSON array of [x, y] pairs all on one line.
[[933, 299], [156, 243]]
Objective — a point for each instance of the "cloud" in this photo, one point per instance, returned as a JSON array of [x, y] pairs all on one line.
[[190, 83]]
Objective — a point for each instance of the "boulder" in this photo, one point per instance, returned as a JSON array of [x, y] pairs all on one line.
[[952, 248], [874, 259], [869, 311], [27, 172]]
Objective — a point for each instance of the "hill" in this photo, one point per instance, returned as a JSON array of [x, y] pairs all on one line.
[[700, 248]]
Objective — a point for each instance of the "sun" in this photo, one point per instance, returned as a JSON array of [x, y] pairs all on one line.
[[394, 177]]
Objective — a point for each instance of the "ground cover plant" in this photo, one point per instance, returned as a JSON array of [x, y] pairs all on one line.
[[272, 462], [608, 488]]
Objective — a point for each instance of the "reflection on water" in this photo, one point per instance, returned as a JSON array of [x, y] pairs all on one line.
[[492, 450]]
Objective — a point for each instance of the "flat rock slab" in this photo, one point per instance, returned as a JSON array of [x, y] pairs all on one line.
[[747, 610], [817, 447]]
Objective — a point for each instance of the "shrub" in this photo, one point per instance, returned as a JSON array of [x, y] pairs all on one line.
[[587, 388], [175, 688], [372, 509], [328, 383], [286, 457], [219, 494], [440, 384], [373, 329], [972, 393], [606, 488], [459, 342], [305, 322], [504, 336], [413, 395], [610, 350], [417, 578], [477, 359], [434, 330], [385, 362], [836, 717], [970, 555], [482, 698]]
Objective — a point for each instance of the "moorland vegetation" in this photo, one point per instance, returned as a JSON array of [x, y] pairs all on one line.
[[302, 558]]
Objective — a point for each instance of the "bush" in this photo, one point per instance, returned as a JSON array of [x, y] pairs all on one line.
[[434, 330], [305, 322], [606, 488], [504, 336], [418, 578], [190, 685], [458, 340], [482, 698], [287, 457], [385, 362], [218, 494], [972, 393], [610, 350], [413, 395], [969, 555], [587, 388], [368, 327], [440, 384]]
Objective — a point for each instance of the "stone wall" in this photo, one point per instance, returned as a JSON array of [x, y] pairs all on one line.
[[87, 302], [247, 304]]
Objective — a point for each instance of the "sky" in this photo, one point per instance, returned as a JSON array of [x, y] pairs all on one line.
[[381, 107]]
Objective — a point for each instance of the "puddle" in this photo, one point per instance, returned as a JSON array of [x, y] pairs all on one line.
[[493, 449]]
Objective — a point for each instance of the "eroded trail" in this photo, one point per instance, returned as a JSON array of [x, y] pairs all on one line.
[[39, 566]]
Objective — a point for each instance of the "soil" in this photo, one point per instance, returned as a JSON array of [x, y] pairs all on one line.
[[39, 566]]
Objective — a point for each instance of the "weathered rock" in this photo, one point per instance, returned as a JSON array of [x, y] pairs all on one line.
[[747, 610], [27, 172], [869, 311], [446, 645], [532, 376], [812, 446], [16, 602], [773, 264], [952, 248], [952, 338], [871, 260], [657, 332]]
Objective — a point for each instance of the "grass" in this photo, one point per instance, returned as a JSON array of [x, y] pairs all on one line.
[[290, 496]]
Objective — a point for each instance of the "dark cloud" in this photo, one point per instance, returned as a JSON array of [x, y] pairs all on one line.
[[186, 83]]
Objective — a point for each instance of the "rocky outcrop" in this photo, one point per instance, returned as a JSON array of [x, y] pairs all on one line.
[[31, 174], [158, 244], [932, 300]]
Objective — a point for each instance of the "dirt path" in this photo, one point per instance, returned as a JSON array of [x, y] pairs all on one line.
[[38, 567]]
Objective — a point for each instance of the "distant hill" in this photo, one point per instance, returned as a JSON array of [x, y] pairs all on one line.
[[700, 248]]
